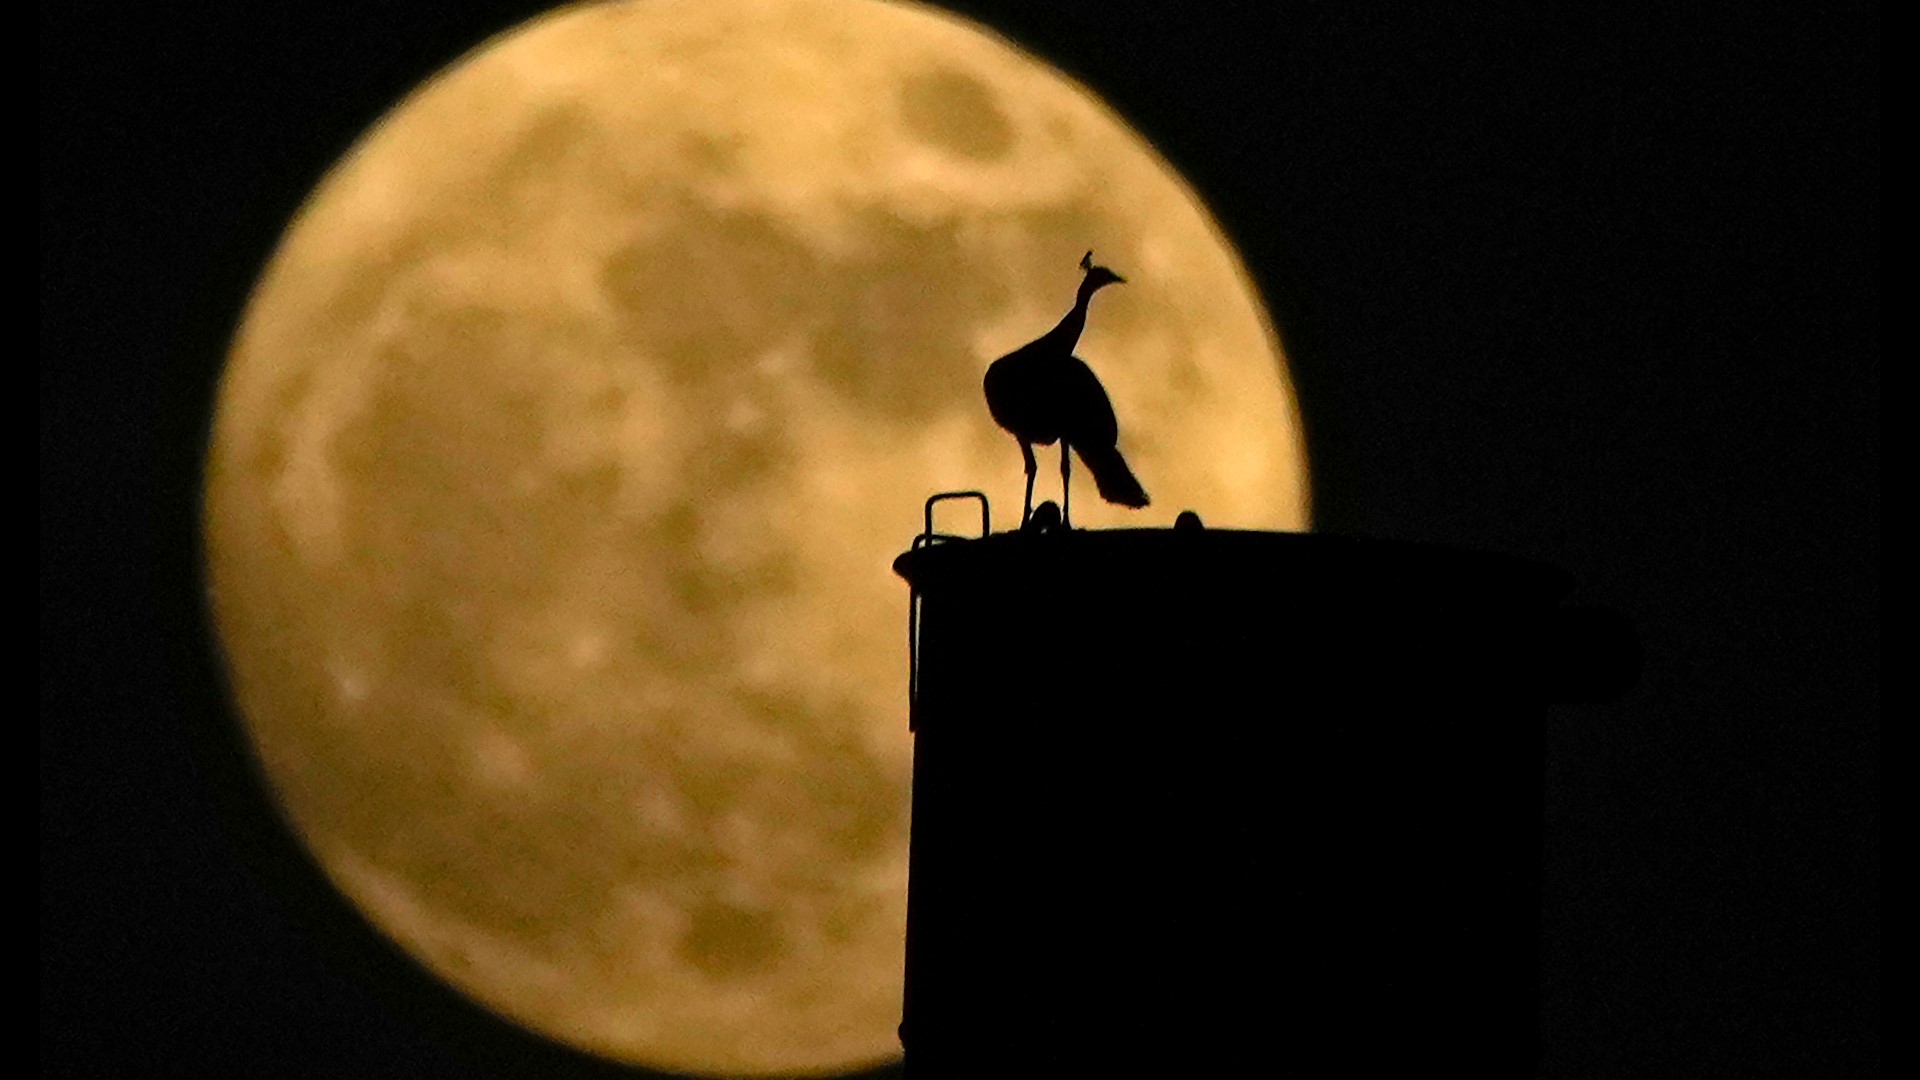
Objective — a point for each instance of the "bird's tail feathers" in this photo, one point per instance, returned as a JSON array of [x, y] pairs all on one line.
[[1116, 482]]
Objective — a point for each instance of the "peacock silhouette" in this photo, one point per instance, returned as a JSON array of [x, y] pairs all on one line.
[[1042, 393]]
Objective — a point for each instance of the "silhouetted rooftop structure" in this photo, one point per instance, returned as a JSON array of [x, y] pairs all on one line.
[[1195, 800]]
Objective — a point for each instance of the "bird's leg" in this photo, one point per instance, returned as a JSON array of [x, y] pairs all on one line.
[[1066, 488], [1026, 506]]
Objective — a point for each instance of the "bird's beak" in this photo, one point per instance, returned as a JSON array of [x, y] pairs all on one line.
[[1118, 280]]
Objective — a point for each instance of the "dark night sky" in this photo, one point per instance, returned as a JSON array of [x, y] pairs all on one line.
[[1597, 288]]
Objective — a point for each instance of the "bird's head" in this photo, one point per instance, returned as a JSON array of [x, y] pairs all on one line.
[[1097, 275]]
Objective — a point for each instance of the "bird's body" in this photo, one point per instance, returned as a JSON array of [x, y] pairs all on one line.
[[1043, 394]]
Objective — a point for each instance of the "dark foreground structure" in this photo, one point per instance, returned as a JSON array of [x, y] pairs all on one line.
[[1205, 802]]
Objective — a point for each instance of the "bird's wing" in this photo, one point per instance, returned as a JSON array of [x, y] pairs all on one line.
[[1017, 398], [1089, 419]]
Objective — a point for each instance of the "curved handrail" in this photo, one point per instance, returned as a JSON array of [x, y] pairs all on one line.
[[943, 496], [928, 538]]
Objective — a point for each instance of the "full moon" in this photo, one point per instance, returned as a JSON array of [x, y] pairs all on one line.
[[564, 447]]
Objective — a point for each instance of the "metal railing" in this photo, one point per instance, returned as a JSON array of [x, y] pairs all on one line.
[[928, 538]]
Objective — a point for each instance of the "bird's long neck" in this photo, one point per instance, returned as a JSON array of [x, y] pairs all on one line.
[[1066, 334]]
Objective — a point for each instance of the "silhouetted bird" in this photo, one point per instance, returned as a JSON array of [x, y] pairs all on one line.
[[1041, 393]]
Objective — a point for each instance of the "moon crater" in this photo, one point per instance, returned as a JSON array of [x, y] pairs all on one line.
[[957, 113]]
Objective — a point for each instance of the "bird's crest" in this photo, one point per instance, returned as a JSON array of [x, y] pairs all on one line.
[[1098, 275]]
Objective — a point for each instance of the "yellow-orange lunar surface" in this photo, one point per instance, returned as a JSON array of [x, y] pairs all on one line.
[[563, 451]]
